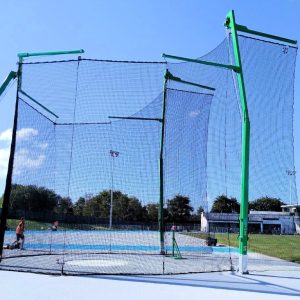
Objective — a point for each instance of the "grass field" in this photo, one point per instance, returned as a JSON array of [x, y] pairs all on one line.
[[30, 225], [286, 247], [35, 225]]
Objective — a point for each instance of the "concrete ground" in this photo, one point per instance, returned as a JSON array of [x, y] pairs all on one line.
[[223, 285]]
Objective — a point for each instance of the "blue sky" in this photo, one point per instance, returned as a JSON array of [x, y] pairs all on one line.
[[134, 30]]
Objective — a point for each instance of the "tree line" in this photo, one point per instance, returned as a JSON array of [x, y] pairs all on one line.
[[125, 208], [224, 204]]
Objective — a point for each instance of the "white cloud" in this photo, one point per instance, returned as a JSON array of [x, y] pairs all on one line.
[[23, 160], [4, 156], [26, 133], [5, 135], [194, 113], [22, 134], [43, 146]]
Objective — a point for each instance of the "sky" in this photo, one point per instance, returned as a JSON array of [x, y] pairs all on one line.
[[131, 30]]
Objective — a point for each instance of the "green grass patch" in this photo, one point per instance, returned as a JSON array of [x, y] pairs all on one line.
[[29, 225], [286, 247], [35, 225]]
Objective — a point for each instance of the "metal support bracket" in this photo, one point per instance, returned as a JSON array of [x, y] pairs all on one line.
[[169, 76]]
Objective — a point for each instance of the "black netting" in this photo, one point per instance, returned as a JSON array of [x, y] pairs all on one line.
[[187, 115], [90, 146]]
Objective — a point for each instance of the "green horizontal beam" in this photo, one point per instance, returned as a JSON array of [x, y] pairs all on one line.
[[135, 118], [22, 55], [39, 104], [178, 79], [265, 35], [11, 76], [203, 62]]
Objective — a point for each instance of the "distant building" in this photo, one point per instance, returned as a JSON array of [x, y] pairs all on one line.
[[259, 222], [291, 208]]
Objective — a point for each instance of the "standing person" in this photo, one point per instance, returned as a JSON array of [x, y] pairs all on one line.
[[20, 233], [173, 228], [54, 226]]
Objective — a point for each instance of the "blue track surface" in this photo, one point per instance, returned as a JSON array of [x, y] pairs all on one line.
[[112, 247], [108, 247]]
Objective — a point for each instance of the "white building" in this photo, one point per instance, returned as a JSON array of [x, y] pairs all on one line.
[[259, 222]]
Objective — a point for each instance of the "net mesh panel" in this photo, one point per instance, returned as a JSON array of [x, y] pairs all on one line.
[[71, 168], [269, 81], [187, 115]]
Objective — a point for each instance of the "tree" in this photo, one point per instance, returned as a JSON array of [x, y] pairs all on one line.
[[134, 212], [125, 208], [152, 212], [179, 209], [196, 217], [64, 206], [79, 207], [266, 204], [224, 204], [33, 198], [97, 206], [200, 210]]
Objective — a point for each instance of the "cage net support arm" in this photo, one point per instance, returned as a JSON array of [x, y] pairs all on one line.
[[11, 76]]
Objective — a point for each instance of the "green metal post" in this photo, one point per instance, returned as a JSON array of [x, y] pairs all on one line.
[[243, 239], [11, 76], [161, 171], [22, 55], [20, 72], [173, 243]]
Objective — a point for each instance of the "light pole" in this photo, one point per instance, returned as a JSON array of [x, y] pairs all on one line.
[[113, 154], [291, 173]]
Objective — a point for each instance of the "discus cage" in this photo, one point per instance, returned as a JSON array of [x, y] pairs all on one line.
[[128, 157]]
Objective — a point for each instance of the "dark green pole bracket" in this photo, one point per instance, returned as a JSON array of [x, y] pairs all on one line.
[[243, 239], [135, 118], [202, 62], [245, 29], [38, 103], [177, 79], [11, 76]]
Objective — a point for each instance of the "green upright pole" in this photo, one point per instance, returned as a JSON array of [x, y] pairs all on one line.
[[161, 171], [243, 239], [8, 185]]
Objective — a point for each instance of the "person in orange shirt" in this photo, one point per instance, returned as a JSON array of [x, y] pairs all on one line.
[[20, 233]]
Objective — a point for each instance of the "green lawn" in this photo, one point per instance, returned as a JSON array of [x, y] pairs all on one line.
[[282, 246], [35, 225], [29, 225]]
